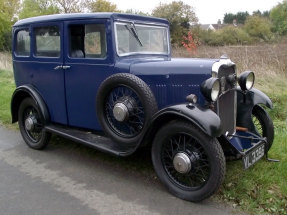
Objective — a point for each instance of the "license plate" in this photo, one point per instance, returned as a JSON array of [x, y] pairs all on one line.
[[253, 156]]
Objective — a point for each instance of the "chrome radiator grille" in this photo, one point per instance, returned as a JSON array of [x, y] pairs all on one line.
[[226, 105]]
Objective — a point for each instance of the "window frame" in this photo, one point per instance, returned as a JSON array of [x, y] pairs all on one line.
[[15, 44], [69, 51], [34, 46], [157, 25], [107, 60]]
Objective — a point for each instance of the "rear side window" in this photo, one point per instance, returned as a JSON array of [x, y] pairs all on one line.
[[47, 41], [87, 41], [23, 43]]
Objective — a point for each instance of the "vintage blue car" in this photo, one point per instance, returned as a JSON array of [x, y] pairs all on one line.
[[108, 80]]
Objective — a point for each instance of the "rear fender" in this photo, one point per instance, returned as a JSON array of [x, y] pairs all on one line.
[[23, 92]]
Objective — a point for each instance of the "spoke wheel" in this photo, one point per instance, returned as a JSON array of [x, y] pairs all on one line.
[[198, 173], [136, 117], [31, 116], [187, 161], [125, 106], [31, 124], [263, 125]]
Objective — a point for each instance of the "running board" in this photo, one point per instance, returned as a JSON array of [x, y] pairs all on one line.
[[101, 143]]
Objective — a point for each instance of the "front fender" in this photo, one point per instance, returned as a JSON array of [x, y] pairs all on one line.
[[204, 118], [23, 92], [245, 103]]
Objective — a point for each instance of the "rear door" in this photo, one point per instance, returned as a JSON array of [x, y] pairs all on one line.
[[42, 67], [88, 62]]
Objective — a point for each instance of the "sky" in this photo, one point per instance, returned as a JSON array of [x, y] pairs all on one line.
[[207, 11]]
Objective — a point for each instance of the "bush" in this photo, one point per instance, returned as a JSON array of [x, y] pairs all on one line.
[[278, 16], [259, 28], [232, 35], [229, 35]]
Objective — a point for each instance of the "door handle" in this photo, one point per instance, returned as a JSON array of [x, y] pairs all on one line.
[[66, 67], [58, 67], [62, 67]]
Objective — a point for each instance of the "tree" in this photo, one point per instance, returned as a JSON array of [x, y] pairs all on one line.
[[102, 6], [131, 11], [32, 8], [179, 15], [8, 11], [258, 27], [228, 18], [278, 17], [240, 17], [259, 13], [70, 6]]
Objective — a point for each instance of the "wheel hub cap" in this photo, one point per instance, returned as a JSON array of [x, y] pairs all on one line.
[[121, 112], [29, 124], [181, 163]]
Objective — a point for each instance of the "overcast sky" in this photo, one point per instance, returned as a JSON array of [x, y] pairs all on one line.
[[208, 11]]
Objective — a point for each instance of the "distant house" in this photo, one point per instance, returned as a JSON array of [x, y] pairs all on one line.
[[212, 27], [215, 27], [207, 27]]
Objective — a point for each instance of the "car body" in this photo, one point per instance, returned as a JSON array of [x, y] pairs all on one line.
[[108, 80]]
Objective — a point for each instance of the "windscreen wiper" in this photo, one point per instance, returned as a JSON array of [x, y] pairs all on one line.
[[132, 29]]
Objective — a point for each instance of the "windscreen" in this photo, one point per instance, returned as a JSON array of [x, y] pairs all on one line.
[[141, 39]]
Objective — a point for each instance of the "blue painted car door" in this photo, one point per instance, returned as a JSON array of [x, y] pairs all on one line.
[[88, 61], [41, 67]]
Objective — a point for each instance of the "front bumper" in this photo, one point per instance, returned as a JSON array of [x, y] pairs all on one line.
[[249, 146]]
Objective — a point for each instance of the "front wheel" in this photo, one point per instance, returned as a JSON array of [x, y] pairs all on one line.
[[188, 162], [263, 125], [31, 124]]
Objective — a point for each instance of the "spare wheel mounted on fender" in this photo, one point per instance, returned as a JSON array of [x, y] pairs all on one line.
[[125, 104]]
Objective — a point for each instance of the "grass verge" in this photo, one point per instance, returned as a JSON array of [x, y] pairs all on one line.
[[7, 86]]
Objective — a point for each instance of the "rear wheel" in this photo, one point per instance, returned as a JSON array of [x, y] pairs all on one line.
[[31, 124], [188, 162], [263, 125]]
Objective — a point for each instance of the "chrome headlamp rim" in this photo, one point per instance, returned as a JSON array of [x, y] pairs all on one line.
[[246, 80], [215, 90], [210, 88]]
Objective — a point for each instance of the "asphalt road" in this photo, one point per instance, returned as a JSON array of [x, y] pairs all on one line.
[[67, 178]]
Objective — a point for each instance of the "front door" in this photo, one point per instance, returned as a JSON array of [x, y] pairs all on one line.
[[87, 63]]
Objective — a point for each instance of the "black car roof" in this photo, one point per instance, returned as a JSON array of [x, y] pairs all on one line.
[[72, 16]]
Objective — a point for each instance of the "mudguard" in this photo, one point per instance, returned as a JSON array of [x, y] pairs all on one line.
[[245, 103], [204, 118], [25, 91]]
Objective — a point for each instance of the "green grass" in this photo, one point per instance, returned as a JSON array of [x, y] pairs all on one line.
[[262, 189], [7, 86]]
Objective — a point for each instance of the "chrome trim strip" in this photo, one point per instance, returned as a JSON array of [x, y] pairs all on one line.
[[139, 22], [215, 70], [222, 61]]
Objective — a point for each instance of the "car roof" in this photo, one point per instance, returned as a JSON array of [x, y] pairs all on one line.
[[76, 16]]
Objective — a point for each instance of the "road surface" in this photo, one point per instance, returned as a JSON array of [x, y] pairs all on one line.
[[67, 178]]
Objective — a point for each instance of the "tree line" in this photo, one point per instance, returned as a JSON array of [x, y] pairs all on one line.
[[258, 26]]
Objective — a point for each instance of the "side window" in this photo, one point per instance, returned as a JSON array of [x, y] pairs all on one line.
[[87, 41], [47, 41], [23, 43]]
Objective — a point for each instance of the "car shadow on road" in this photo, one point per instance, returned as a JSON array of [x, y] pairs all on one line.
[[131, 179]]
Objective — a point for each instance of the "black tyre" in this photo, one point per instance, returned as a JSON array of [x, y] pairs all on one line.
[[263, 125], [125, 105], [188, 162], [31, 124]]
